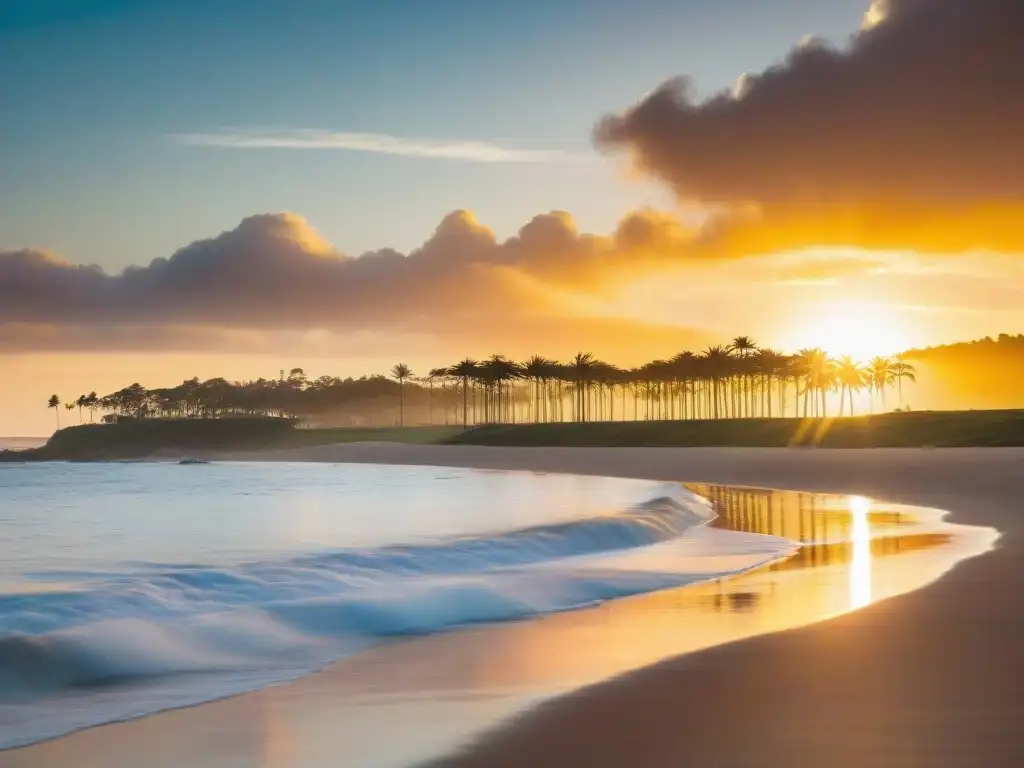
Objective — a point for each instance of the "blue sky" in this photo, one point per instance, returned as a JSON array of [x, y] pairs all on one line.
[[95, 97]]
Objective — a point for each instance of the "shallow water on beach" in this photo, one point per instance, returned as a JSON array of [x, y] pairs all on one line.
[[131, 588], [440, 692]]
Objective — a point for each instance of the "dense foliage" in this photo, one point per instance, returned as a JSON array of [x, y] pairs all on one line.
[[740, 380]]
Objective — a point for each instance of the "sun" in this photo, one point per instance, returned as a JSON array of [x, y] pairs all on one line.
[[860, 329]]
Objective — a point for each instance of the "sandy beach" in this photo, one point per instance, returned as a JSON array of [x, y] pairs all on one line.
[[928, 678]]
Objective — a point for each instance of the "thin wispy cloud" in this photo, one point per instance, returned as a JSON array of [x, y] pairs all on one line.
[[379, 143]]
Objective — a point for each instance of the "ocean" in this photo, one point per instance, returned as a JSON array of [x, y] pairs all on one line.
[[21, 443], [129, 588]]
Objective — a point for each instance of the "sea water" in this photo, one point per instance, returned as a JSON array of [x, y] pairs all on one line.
[[128, 588]]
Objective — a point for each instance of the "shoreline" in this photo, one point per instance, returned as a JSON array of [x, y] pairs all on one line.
[[563, 731], [139, 439]]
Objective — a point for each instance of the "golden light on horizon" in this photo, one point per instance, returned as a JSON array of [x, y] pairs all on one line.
[[860, 329]]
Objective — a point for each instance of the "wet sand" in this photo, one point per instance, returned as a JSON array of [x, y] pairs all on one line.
[[928, 678]]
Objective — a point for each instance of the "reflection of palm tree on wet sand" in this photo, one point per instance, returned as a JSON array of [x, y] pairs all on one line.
[[823, 524]]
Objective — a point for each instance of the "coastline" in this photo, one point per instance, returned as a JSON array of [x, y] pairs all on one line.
[[154, 438], [938, 692]]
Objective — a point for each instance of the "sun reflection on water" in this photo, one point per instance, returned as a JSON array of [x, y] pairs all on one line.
[[860, 556]]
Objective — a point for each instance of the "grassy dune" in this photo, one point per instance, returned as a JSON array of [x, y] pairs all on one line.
[[413, 435], [924, 429], [892, 430]]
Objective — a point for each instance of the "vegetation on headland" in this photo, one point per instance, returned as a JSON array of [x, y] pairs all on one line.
[[189, 437], [146, 438], [738, 381], [736, 395]]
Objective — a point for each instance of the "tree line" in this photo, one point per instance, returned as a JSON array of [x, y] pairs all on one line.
[[739, 380]]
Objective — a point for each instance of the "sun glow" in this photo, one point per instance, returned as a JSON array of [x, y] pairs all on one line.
[[861, 329]]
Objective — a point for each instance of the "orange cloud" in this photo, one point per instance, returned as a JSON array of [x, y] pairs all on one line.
[[909, 137], [274, 274]]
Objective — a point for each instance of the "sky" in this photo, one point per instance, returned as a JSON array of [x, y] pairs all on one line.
[[342, 185]]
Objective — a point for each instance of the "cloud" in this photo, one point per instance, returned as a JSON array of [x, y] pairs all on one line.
[[379, 143], [908, 137], [274, 282], [274, 274]]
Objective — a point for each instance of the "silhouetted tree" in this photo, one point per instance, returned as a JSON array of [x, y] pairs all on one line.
[[851, 377], [880, 375], [92, 402], [466, 371], [582, 366], [902, 370], [400, 373], [54, 402], [741, 380]]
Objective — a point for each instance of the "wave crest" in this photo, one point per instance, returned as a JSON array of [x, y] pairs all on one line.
[[272, 620]]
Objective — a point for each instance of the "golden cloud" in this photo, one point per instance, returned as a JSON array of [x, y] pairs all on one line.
[[909, 137]]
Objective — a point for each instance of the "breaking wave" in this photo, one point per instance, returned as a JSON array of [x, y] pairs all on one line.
[[183, 634]]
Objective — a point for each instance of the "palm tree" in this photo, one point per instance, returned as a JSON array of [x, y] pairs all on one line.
[[582, 366], [740, 380], [537, 369], [54, 402], [903, 370], [465, 370], [494, 373], [744, 347], [851, 377], [716, 361], [92, 402], [400, 373], [683, 368], [435, 375], [770, 365], [816, 370], [880, 375]]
